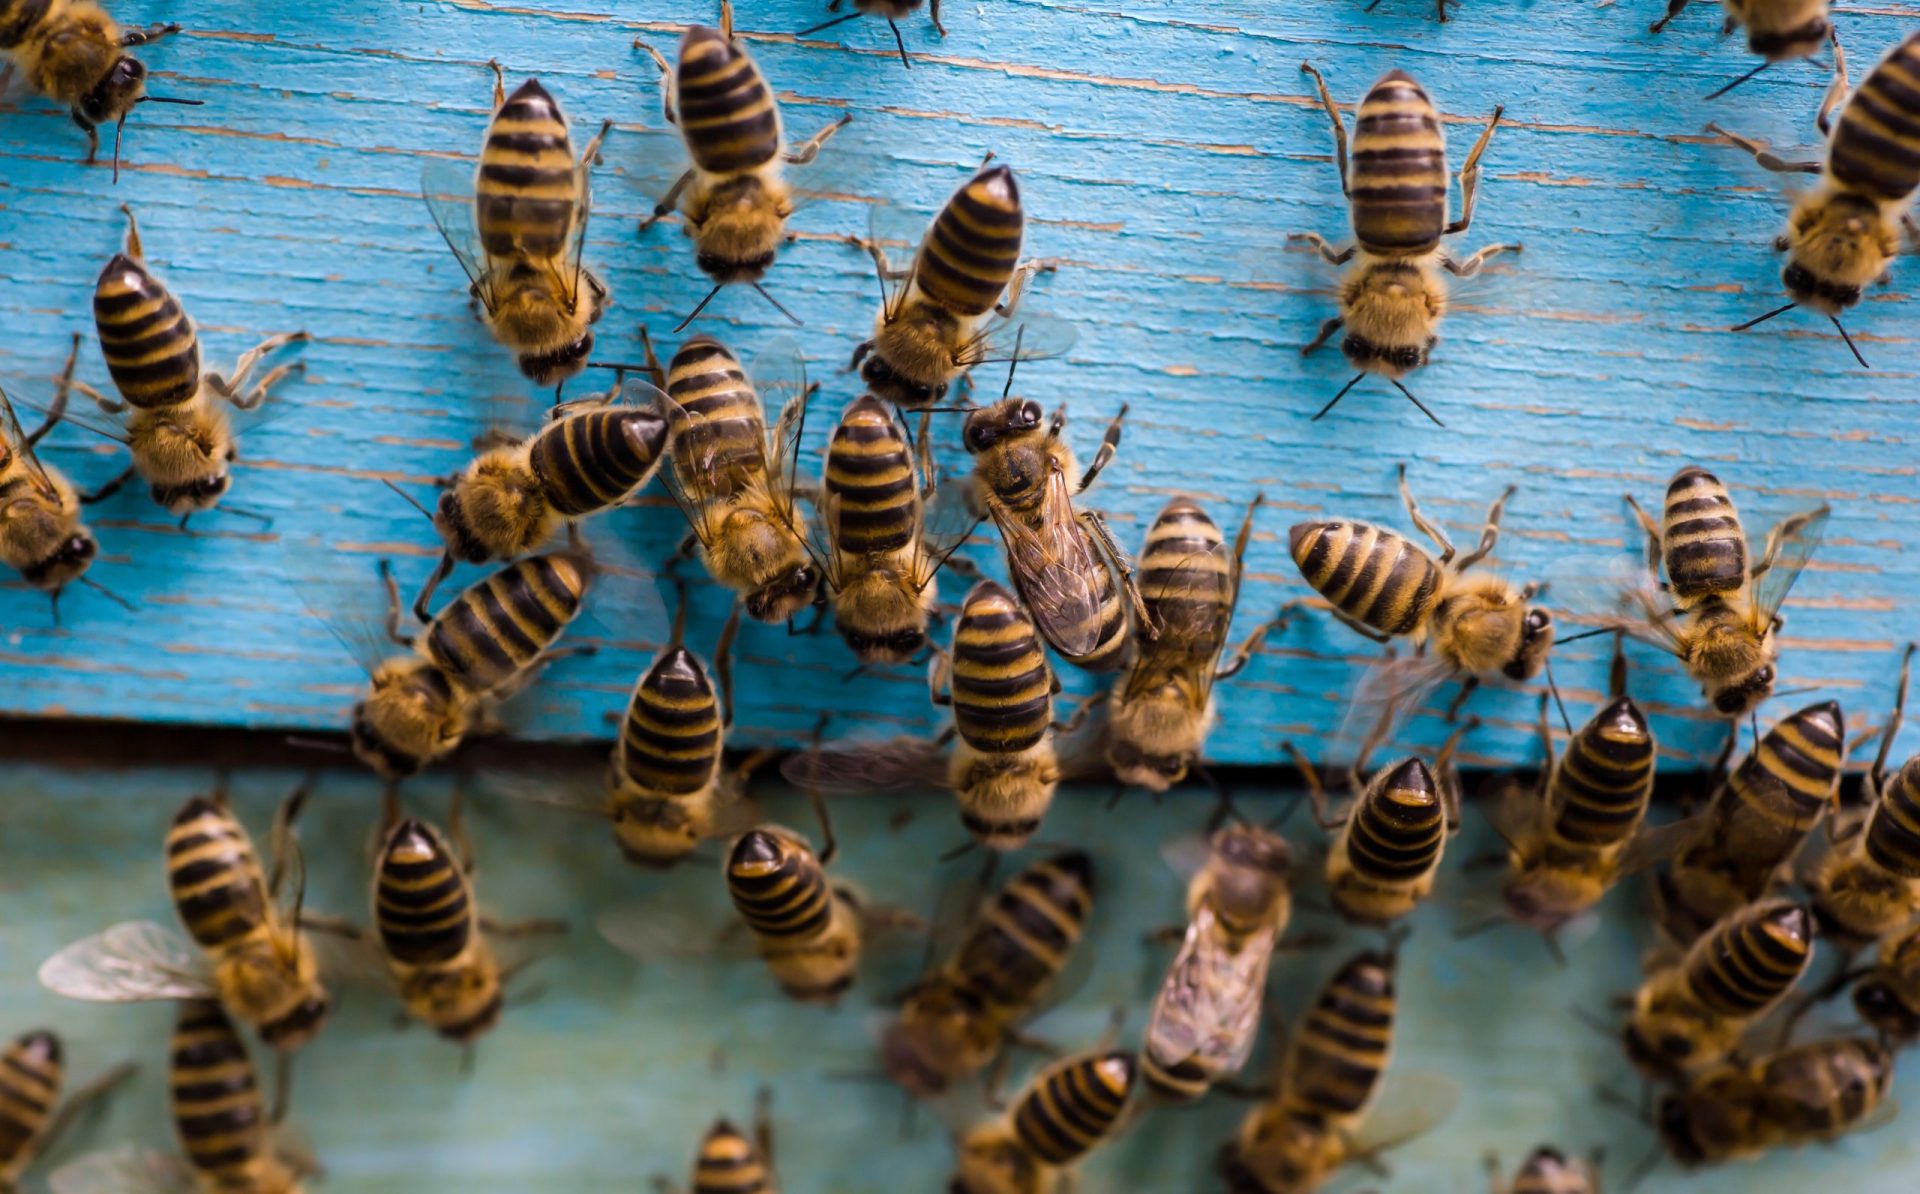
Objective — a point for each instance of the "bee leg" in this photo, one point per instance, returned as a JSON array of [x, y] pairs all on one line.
[[93, 138], [1325, 334], [1767, 160], [1471, 266], [666, 80], [88, 1099], [1489, 532], [933, 10], [1339, 127], [939, 677], [1653, 537], [1470, 174], [243, 369], [1328, 253], [393, 606], [109, 489], [591, 154], [1674, 9], [152, 33], [440, 573], [1837, 89], [1316, 791], [1244, 653], [1109, 446], [668, 202], [1429, 529], [1466, 690], [1223, 807], [1017, 288], [1164, 935], [723, 663], [1448, 776], [1081, 712], [809, 149]]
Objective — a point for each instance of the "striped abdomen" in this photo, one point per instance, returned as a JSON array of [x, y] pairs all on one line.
[[1876, 143], [1398, 179], [1747, 962], [972, 247], [217, 1109], [1372, 575], [779, 886], [587, 462], [1701, 542], [1603, 783], [1002, 687], [1022, 939], [1549, 1171], [671, 740], [1341, 1048], [498, 627], [1820, 1089], [1397, 831], [1788, 779], [214, 876], [730, 1163], [723, 441], [1186, 578], [1072, 1105], [148, 341], [527, 187], [727, 113], [422, 904], [871, 478], [1893, 832], [31, 1072]]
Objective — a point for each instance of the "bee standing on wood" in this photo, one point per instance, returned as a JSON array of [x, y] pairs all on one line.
[[1391, 302], [1065, 1112], [1777, 30], [518, 222], [1811, 1093], [1842, 235], [733, 197], [41, 534], [891, 11], [33, 1118]]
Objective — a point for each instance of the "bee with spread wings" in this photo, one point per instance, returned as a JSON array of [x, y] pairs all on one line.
[[41, 534]]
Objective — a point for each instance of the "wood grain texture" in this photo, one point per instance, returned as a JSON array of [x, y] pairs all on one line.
[[605, 1071], [1165, 148]]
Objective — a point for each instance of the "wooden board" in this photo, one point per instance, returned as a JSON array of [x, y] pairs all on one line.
[[1165, 149]]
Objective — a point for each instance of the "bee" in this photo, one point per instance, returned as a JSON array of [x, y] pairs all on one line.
[[734, 482], [1869, 885], [1842, 233], [891, 11], [1065, 1112], [1547, 1170], [248, 951], [955, 1022], [75, 54], [732, 196], [1809, 1093], [1756, 822], [517, 222], [1777, 30], [808, 929], [1383, 586], [1207, 1012], [730, 1161], [1162, 710], [1063, 561], [1392, 300], [1888, 993], [945, 313], [33, 1069], [1691, 1014], [42, 536]]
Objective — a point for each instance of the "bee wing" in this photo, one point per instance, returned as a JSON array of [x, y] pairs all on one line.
[[1515, 811], [947, 520], [651, 934], [447, 187], [17, 440], [898, 231], [1389, 691], [1617, 592], [891, 765], [1188, 854], [1790, 544], [589, 801], [352, 607], [1023, 335], [779, 375], [123, 1169], [1190, 636], [288, 881], [650, 162], [131, 962], [1050, 567], [104, 428], [1410, 1106], [1208, 1009], [1656, 844]]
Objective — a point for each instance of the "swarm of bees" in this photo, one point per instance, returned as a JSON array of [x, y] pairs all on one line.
[[865, 545]]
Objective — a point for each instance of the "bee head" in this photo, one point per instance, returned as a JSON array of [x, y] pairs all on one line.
[[1880, 1005], [899, 646], [1800, 41], [450, 515], [1536, 639], [989, 425], [740, 233], [1154, 772], [67, 561], [192, 497], [902, 392], [1675, 1122], [552, 368], [115, 95], [1839, 244], [785, 595]]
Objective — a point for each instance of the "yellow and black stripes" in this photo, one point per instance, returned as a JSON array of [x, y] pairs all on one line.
[[150, 346], [730, 1163], [1701, 541], [671, 739], [422, 905], [1751, 959], [778, 886], [214, 875], [527, 188], [32, 1070], [217, 1109], [1372, 575], [1072, 1106], [1398, 186], [497, 628], [1893, 832], [1600, 790], [1789, 778], [724, 442], [1397, 831], [19, 19], [587, 462], [1341, 1048], [1186, 576], [1002, 687], [972, 247], [726, 109], [1023, 936], [1876, 143], [870, 475]]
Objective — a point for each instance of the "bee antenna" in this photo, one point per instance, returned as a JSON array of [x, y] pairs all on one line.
[[904, 60], [681, 326], [1013, 362], [1741, 327], [261, 517], [959, 850], [794, 319], [122, 602], [317, 744], [1337, 397], [1416, 402], [1743, 78], [408, 498], [1574, 638], [169, 99], [119, 127], [1849, 340], [830, 24]]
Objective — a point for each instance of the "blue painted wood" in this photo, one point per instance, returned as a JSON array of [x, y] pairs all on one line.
[[611, 1071], [1165, 147]]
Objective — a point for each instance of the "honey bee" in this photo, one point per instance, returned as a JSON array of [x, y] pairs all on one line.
[[734, 482], [1462, 622], [74, 54], [1063, 561], [1888, 993], [1161, 712], [730, 1161], [732, 196], [33, 1118], [1809, 1093], [1841, 235], [944, 313], [1207, 1012], [1869, 885], [1547, 1170], [1692, 1014], [518, 222], [1777, 30], [808, 929], [41, 534], [891, 11], [1756, 822], [956, 1021], [1392, 301], [1065, 1112]]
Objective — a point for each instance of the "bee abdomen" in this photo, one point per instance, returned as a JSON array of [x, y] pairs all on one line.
[[498, 627], [1002, 690], [1184, 574], [1372, 575], [31, 1072], [1398, 830], [1342, 1046], [729, 1163], [1704, 547], [147, 340], [1788, 778], [1026, 932], [525, 191], [1893, 836], [727, 428], [593, 460], [18, 19], [727, 113], [870, 473], [217, 1109], [1751, 959], [422, 906], [671, 739], [973, 245], [1876, 144], [214, 875], [1602, 786], [778, 886], [1399, 172], [1073, 1105]]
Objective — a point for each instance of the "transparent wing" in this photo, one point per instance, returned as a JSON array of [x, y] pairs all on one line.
[[1208, 1008], [1515, 811], [654, 934], [288, 882], [1051, 567], [892, 765], [1188, 854], [1616, 592], [447, 187], [129, 963], [898, 231], [1410, 1106], [779, 375], [124, 1169], [350, 602], [17, 440], [585, 799], [1389, 691], [1656, 844], [1191, 636], [101, 425], [1024, 335], [1791, 543], [948, 519]]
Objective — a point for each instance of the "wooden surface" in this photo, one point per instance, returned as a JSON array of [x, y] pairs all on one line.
[[1165, 148], [604, 1072]]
